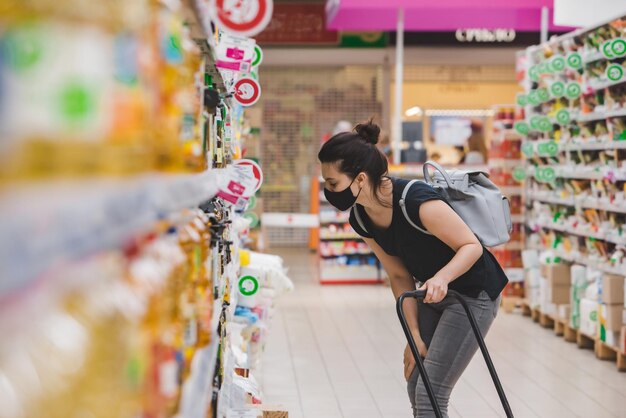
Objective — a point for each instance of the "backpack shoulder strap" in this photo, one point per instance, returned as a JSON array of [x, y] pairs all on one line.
[[403, 206], [357, 215]]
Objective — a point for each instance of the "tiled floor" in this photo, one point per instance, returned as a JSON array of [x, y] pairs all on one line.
[[337, 352]]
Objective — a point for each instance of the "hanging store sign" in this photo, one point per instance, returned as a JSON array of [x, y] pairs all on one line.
[[242, 17], [247, 91], [485, 35]]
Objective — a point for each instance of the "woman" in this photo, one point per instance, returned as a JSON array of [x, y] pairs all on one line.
[[355, 174]]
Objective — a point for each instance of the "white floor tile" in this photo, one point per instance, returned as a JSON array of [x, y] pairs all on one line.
[[336, 352]]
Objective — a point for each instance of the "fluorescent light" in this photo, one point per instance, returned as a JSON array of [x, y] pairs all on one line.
[[460, 112], [413, 111]]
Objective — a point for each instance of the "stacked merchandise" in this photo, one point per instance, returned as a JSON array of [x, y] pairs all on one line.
[[575, 150], [344, 257], [123, 217], [504, 167]]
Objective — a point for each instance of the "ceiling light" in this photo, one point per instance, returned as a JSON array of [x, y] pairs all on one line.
[[413, 111]]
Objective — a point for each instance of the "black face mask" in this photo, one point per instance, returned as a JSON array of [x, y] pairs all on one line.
[[342, 200]]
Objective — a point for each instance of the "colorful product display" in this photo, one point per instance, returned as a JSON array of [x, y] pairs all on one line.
[[126, 292], [575, 158]]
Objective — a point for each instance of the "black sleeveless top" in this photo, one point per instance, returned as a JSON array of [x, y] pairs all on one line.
[[424, 255]]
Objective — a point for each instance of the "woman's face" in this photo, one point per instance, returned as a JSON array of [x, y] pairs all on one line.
[[334, 180]]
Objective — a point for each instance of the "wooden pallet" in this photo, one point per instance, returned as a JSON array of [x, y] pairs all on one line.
[[570, 334], [526, 310], [535, 314], [510, 303], [585, 341], [606, 352], [546, 321], [559, 326]]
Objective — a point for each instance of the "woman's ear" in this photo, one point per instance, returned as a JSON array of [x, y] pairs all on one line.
[[361, 178]]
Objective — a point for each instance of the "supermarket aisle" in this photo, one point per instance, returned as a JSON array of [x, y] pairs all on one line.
[[337, 352]]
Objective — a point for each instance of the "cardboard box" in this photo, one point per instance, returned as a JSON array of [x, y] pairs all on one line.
[[274, 411], [610, 318], [559, 295], [557, 274], [613, 289], [622, 340], [563, 311], [589, 317]]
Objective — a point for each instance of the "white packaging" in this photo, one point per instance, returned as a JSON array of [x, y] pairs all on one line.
[[612, 338], [579, 275], [530, 259], [593, 292], [589, 317], [563, 311]]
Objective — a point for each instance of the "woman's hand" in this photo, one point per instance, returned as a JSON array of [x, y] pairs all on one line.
[[409, 360], [436, 289]]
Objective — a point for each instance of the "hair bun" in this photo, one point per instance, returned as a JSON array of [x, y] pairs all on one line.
[[368, 131]]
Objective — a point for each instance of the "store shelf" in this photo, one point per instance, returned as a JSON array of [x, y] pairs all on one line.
[[580, 259], [349, 274], [347, 255], [596, 85], [334, 239], [589, 117], [581, 173], [417, 170], [512, 190], [592, 56], [571, 231], [504, 163], [594, 146], [584, 204], [54, 224]]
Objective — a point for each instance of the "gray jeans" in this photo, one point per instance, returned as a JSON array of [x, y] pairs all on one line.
[[447, 333]]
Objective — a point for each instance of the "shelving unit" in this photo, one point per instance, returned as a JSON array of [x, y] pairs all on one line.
[[122, 253], [343, 256], [504, 159], [575, 169]]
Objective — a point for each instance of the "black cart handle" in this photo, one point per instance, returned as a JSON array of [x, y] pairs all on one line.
[[420, 295]]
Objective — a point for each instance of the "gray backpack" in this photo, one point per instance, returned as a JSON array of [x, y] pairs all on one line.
[[473, 197]]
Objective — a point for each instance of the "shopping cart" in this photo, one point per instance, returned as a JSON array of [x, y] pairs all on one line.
[[420, 295]]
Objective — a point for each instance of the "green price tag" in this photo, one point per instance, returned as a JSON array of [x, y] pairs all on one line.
[[528, 149], [251, 203], [539, 174], [543, 94], [607, 49], [545, 125], [618, 47], [552, 148], [519, 174], [573, 90], [258, 56], [521, 99], [534, 122], [563, 117], [575, 61], [549, 175], [615, 72], [254, 219], [558, 63], [533, 98], [248, 285], [533, 73], [557, 89], [522, 128]]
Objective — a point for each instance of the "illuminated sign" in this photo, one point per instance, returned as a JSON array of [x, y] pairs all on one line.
[[485, 35]]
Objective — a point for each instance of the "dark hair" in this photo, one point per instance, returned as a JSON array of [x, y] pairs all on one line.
[[356, 152]]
